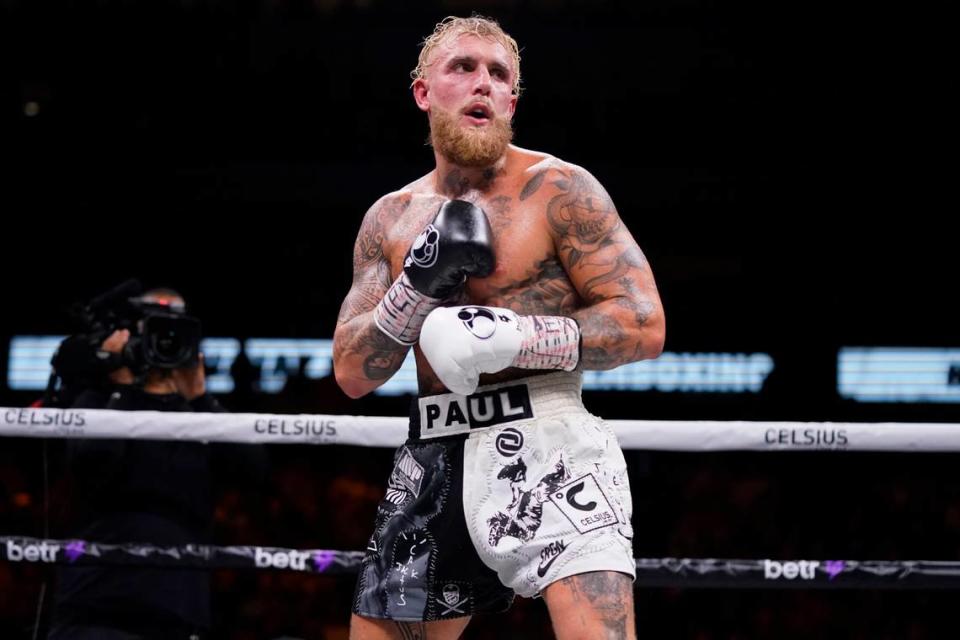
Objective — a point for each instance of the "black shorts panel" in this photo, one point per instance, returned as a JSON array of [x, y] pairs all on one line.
[[421, 564]]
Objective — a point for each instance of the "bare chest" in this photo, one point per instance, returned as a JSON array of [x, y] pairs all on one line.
[[528, 277]]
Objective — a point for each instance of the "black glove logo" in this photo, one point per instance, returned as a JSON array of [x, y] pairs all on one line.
[[424, 251], [478, 321]]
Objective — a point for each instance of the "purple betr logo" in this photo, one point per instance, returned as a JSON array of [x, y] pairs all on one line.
[[834, 567], [75, 549], [322, 560]]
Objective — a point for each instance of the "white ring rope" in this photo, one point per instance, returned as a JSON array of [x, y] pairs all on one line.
[[371, 431]]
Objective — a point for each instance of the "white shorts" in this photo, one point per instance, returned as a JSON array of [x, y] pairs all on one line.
[[504, 491], [548, 497]]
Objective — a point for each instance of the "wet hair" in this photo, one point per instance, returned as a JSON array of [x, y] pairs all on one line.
[[476, 25]]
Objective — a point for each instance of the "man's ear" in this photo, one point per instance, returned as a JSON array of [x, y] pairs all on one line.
[[421, 94]]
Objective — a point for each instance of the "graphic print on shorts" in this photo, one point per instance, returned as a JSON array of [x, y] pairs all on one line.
[[522, 517], [509, 442], [584, 504], [407, 582], [404, 482], [454, 602]]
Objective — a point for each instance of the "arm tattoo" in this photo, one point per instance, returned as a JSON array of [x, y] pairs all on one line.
[[601, 256], [370, 239], [610, 596], [369, 247], [367, 290], [618, 271], [641, 309], [582, 217], [383, 355], [357, 335], [604, 352]]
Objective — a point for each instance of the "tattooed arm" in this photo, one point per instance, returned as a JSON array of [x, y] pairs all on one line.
[[363, 356], [623, 318]]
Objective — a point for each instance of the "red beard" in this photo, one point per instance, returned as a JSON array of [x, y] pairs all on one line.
[[468, 146]]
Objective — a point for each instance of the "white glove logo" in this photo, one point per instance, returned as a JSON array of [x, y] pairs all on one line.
[[456, 359], [424, 252], [478, 321]]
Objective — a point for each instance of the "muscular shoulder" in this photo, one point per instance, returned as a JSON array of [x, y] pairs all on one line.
[[389, 207], [574, 202], [548, 177], [369, 248], [395, 218], [417, 194], [385, 213]]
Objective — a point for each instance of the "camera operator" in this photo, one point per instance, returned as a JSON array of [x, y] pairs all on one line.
[[156, 492]]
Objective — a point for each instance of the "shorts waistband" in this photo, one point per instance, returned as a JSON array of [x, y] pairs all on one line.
[[492, 405]]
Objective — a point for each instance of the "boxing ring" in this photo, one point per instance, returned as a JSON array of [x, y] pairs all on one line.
[[366, 431]]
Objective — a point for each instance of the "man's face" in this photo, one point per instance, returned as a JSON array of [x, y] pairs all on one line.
[[468, 96]]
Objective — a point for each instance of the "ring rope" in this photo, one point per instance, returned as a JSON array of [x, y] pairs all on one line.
[[372, 431], [710, 573], [391, 432]]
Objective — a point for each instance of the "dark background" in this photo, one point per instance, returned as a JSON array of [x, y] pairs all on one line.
[[788, 168]]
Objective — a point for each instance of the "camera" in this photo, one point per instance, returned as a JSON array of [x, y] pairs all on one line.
[[162, 336], [166, 341]]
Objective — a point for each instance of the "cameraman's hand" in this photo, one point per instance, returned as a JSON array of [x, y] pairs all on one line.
[[114, 344], [190, 382]]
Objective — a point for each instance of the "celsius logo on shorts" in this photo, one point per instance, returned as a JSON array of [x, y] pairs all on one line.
[[479, 321], [583, 502], [424, 250], [509, 442]]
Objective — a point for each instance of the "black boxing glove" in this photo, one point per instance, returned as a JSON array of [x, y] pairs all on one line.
[[456, 245]]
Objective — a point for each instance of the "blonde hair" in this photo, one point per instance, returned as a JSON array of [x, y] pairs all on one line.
[[476, 25]]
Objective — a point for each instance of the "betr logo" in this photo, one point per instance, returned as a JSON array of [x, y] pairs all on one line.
[[292, 559], [805, 569], [42, 552]]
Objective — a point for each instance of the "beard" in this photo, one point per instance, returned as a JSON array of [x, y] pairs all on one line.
[[468, 146]]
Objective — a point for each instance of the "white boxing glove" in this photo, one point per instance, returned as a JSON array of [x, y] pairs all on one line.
[[460, 343]]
